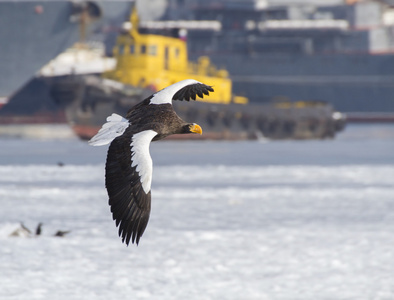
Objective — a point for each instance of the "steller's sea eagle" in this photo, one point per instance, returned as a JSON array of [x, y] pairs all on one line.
[[128, 170]]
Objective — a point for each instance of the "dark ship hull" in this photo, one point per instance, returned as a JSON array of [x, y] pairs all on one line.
[[341, 54], [40, 31], [88, 101], [34, 32]]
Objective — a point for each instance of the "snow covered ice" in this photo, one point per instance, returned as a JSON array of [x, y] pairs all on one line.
[[230, 220]]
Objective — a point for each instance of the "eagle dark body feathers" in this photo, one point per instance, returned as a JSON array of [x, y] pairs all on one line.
[[160, 118]]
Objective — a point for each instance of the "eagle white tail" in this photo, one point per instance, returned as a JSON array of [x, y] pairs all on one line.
[[115, 126]]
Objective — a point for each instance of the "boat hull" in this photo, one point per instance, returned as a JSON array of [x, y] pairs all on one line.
[[40, 31], [93, 100]]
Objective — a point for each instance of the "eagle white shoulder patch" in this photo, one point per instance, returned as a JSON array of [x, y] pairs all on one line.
[[115, 126], [165, 95], [141, 158]]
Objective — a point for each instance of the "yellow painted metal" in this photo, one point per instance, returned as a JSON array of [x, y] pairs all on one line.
[[157, 61]]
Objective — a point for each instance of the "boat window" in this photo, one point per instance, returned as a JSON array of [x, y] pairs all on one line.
[[143, 49], [152, 50], [132, 49], [166, 57], [121, 49]]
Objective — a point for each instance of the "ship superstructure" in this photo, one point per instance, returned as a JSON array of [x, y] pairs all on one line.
[[155, 61], [338, 52]]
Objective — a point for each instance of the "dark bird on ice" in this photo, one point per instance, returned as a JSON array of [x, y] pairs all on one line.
[[21, 231], [128, 169], [27, 230], [39, 229], [61, 233]]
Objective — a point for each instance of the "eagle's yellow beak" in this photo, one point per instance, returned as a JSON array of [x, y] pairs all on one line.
[[195, 128]]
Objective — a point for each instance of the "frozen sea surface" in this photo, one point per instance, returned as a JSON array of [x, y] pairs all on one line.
[[230, 220]]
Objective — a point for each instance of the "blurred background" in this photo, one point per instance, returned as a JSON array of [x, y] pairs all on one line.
[[289, 195], [297, 69]]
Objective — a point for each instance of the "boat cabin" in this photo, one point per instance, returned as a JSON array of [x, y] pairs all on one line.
[[156, 61]]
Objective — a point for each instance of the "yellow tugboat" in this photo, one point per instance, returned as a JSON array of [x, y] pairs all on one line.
[[148, 62], [157, 61]]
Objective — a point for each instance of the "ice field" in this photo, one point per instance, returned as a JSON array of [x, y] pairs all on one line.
[[230, 220]]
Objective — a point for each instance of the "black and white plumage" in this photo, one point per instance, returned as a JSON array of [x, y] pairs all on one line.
[[129, 165]]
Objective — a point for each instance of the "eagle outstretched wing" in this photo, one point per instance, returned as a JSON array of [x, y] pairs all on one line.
[[191, 91], [128, 180]]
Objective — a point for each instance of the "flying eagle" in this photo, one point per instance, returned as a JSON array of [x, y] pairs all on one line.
[[128, 170]]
